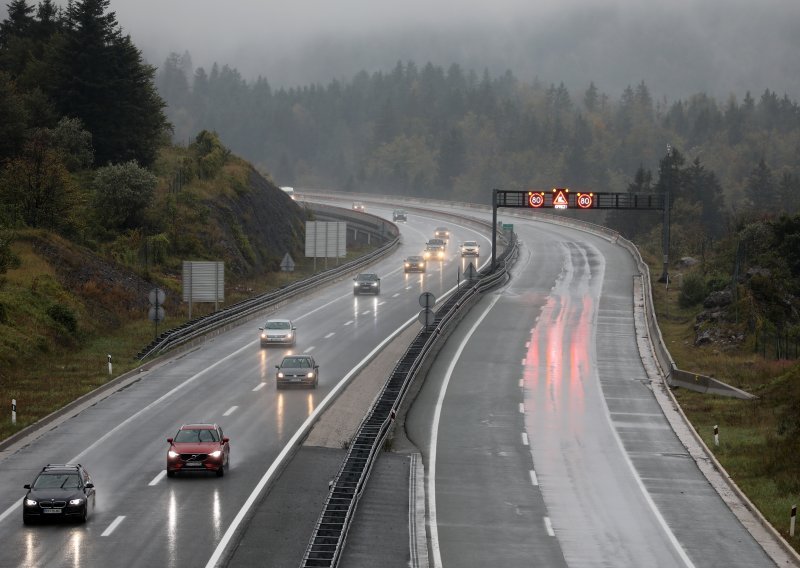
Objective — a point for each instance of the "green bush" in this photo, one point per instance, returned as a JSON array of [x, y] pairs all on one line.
[[693, 290], [64, 316]]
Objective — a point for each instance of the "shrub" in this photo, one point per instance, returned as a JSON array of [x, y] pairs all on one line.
[[693, 290], [64, 316]]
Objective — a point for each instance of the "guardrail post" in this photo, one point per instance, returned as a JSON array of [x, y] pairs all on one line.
[[14, 411], [716, 435], [792, 517]]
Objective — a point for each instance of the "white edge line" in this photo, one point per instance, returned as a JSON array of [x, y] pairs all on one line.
[[534, 479], [549, 526], [437, 555], [230, 411], [259, 386], [158, 477], [524, 438], [114, 524], [522, 408], [331, 334]]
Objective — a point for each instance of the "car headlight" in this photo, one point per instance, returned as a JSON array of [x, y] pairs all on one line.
[[280, 374], [263, 336], [310, 374], [173, 454], [374, 284], [355, 284], [215, 454], [407, 265], [75, 501], [30, 502]]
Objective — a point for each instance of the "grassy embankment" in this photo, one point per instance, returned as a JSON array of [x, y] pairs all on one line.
[[759, 440]]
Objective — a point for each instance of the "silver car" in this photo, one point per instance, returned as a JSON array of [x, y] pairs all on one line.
[[277, 332], [297, 370]]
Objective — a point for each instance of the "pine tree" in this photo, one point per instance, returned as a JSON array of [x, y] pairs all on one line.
[[760, 189]]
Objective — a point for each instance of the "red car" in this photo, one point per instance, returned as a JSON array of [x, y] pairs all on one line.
[[198, 447]]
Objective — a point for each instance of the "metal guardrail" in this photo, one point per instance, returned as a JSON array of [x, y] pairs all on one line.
[[198, 327], [330, 532]]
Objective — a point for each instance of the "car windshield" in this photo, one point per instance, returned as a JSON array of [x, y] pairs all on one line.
[[57, 480], [414, 258], [296, 362], [367, 277], [470, 243], [277, 325], [198, 435]]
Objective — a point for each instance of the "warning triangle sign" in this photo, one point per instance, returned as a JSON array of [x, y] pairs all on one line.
[[559, 199]]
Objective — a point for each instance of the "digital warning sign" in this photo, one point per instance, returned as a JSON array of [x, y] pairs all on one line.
[[584, 200], [536, 199], [560, 198]]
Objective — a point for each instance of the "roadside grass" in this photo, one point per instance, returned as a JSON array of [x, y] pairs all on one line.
[[759, 439], [56, 373]]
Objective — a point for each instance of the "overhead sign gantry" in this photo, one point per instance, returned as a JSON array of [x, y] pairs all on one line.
[[562, 198]]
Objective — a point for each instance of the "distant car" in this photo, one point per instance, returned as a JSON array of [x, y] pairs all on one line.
[[366, 283], [63, 491], [297, 370], [198, 447], [288, 191], [414, 264], [442, 233], [399, 215], [433, 251], [358, 206], [470, 248], [277, 332], [438, 241]]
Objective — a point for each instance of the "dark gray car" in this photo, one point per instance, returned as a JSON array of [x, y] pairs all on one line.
[[366, 283], [297, 370]]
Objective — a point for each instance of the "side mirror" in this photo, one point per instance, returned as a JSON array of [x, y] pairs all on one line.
[[27, 486], [225, 439], [90, 486], [277, 366], [260, 329], [169, 440], [293, 328]]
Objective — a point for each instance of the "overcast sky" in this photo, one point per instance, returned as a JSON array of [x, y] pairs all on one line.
[[678, 47]]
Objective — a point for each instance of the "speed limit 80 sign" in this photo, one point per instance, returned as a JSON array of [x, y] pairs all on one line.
[[536, 199], [585, 200]]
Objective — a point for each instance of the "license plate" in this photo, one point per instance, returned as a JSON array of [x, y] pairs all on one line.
[[295, 379], [193, 464], [51, 511]]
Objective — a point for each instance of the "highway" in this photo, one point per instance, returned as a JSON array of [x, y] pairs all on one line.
[[144, 518], [542, 440]]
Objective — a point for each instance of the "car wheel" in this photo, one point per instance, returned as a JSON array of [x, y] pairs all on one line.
[[85, 514], [221, 471], [170, 473], [26, 520]]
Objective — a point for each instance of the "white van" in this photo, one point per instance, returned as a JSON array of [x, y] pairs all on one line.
[[289, 191]]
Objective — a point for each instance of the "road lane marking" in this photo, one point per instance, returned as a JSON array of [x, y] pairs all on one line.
[[524, 362], [158, 477], [348, 322], [230, 411], [113, 525], [527, 345], [534, 479], [331, 334], [259, 386], [365, 313], [437, 415], [524, 438], [396, 294], [549, 526], [522, 408], [309, 349], [381, 303], [521, 383], [408, 287]]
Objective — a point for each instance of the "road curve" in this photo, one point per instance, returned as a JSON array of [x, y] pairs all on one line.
[[542, 439]]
